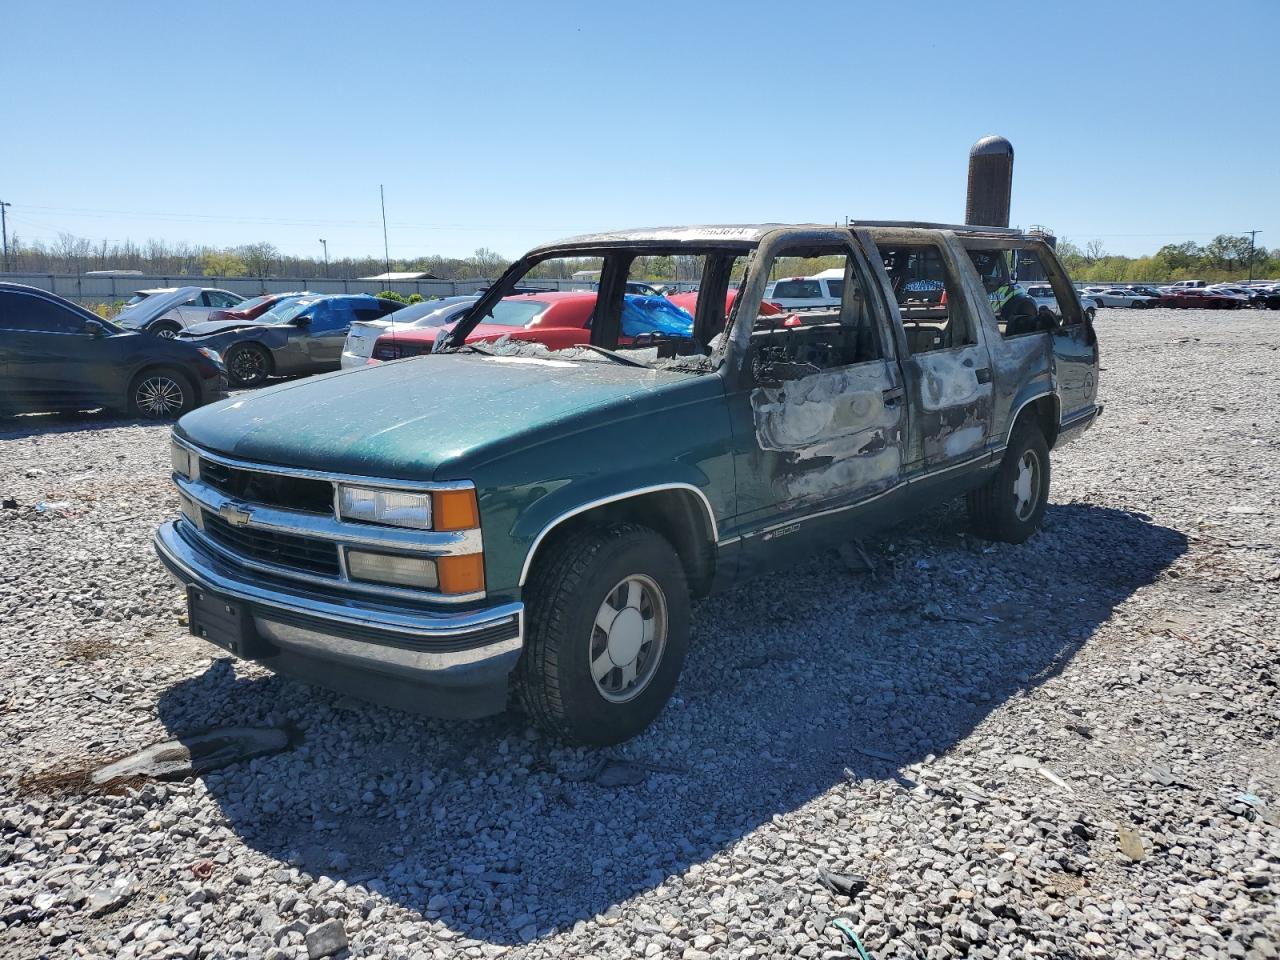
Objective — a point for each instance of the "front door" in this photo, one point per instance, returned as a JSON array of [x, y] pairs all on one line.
[[819, 414], [49, 354]]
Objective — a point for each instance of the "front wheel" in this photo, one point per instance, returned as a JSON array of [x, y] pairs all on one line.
[[166, 331], [608, 628], [1010, 506], [248, 365], [160, 395]]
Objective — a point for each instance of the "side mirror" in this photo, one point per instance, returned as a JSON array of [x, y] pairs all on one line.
[[93, 328]]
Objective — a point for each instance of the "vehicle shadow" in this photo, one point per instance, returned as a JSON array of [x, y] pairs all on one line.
[[18, 426], [794, 684]]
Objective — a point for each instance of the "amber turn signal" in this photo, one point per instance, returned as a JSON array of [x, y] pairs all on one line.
[[461, 574], [455, 510]]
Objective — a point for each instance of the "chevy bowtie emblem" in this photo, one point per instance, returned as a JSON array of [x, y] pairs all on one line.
[[235, 514]]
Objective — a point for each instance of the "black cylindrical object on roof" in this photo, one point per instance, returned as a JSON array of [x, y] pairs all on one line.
[[990, 183]]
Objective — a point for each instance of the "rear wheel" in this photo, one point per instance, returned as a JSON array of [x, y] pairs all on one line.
[[1010, 506], [248, 365], [608, 628], [160, 394]]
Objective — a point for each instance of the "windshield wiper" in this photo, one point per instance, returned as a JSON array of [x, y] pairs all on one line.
[[612, 355], [473, 347]]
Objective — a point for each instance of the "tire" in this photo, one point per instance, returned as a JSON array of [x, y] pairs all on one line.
[[1003, 508], [165, 331], [248, 365], [587, 577], [161, 393]]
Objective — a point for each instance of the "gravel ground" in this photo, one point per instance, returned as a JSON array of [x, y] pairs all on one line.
[[1061, 749]]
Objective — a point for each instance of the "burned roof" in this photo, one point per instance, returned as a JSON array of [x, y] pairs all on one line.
[[743, 234]]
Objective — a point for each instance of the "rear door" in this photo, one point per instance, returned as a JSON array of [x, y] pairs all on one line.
[[330, 322], [934, 298]]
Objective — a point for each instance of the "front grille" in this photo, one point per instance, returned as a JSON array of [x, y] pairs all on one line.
[[279, 549], [272, 489]]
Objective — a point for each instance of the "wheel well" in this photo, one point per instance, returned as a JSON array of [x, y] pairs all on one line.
[[678, 515], [1044, 411]]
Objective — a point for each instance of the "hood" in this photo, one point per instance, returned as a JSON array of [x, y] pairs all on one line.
[[220, 326], [414, 419], [142, 313]]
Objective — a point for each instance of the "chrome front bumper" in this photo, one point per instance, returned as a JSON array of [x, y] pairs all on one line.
[[443, 649]]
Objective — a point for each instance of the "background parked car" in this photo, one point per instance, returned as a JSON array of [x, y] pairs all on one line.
[[430, 313], [257, 306], [1043, 295], [1200, 300], [55, 355], [165, 311], [301, 335], [556, 319], [1119, 297], [798, 293]]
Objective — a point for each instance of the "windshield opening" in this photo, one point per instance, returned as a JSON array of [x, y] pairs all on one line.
[[642, 306]]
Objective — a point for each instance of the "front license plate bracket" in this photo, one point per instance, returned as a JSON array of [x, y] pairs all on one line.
[[224, 622]]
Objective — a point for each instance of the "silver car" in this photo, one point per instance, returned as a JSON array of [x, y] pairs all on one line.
[[430, 313], [165, 311]]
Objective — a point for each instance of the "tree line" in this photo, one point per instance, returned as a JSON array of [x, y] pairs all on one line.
[[1226, 257]]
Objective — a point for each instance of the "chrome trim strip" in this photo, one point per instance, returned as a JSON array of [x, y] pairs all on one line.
[[308, 474], [592, 504], [329, 583], [432, 543]]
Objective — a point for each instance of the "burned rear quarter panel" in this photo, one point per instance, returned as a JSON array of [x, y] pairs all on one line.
[[675, 433]]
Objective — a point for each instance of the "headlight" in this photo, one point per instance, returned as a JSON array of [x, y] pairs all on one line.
[[392, 568], [395, 508], [213, 355], [184, 462]]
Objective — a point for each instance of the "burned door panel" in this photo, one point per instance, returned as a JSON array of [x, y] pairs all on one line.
[[954, 403], [831, 434]]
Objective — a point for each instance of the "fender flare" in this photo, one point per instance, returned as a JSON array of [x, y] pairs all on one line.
[[592, 504]]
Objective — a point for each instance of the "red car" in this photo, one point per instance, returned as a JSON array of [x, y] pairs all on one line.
[[557, 319], [1200, 300], [254, 307]]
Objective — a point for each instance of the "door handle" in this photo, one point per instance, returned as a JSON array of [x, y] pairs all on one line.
[[983, 374]]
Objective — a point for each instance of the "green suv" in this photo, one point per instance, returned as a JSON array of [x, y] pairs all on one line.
[[442, 532]]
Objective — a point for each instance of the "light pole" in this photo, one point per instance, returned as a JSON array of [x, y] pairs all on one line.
[[325, 243], [1253, 235], [4, 231]]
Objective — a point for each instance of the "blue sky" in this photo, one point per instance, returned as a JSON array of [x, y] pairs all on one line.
[[506, 124]]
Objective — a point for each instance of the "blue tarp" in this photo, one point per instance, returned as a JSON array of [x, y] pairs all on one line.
[[654, 315]]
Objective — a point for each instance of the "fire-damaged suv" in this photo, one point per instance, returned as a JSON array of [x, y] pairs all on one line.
[[435, 532]]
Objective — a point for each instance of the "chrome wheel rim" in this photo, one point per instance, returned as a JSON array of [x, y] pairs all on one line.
[[628, 638], [248, 365], [159, 397], [1026, 485], [166, 333]]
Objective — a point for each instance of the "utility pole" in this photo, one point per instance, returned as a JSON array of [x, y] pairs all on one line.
[[386, 250], [325, 243], [1252, 236], [4, 231]]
